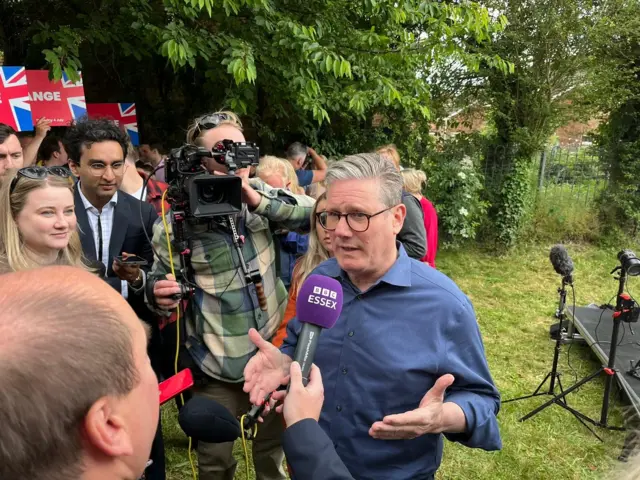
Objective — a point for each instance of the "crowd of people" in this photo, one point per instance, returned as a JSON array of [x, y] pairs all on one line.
[[86, 333]]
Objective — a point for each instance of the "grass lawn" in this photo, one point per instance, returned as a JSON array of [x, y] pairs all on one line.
[[515, 298]]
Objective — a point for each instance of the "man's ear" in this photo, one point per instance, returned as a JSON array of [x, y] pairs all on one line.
[[399, 213], [74, 168], [105, 429]]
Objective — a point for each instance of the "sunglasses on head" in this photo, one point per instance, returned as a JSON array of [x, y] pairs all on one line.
[[210, 121], [38, 173]]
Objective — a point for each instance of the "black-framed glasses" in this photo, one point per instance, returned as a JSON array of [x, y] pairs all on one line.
[[38, 173], [357, 221], [210, 121]]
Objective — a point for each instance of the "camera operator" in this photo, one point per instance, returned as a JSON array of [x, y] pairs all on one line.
[[225, 304]]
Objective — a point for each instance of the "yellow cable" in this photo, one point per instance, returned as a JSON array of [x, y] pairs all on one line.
[[173, 272], [244, 443]]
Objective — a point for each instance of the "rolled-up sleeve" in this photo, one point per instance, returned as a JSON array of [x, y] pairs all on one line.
[[473, 389]]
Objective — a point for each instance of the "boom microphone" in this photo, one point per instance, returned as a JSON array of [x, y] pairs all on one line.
[[318, 306], [208, 421], [561, 262]]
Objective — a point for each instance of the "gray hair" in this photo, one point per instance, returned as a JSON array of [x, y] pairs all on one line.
[[295, 150], [363, 166]]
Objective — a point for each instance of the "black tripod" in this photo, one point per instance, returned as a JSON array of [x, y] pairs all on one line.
[[609, 370], [554, 376]]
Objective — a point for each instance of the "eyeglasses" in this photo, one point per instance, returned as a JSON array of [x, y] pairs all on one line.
[[210, 121], [98, 169], [38, 173], [357, 221]]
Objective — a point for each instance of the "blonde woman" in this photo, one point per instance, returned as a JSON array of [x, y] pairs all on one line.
[[278, 173], [414, 182], [292, 179], [38, 220], [271, 170], [319, 250], [390, 152]]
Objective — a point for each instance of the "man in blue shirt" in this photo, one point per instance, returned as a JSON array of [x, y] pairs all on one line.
[[297, 155], [405, 361]]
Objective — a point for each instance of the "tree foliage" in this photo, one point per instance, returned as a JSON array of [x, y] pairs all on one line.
[[292, 67], [548, 43], [616, 90]]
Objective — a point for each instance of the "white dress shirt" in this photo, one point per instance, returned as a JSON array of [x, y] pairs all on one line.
[[106, 222]]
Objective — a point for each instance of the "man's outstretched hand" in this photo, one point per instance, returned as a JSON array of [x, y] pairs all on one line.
[[266, 371], [433, 415]]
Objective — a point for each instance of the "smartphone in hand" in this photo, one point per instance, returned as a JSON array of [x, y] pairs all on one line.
[[131, 260]]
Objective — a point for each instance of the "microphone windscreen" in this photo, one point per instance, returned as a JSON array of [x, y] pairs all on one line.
[[319, 301], [208, 421], [560, 260]]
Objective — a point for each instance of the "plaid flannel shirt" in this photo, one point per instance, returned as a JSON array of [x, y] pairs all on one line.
[[224, 306]]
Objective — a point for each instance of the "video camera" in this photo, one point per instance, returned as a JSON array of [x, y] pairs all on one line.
[[198, 193]]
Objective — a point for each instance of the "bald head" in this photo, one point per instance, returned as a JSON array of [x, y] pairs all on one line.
[[66, 340]]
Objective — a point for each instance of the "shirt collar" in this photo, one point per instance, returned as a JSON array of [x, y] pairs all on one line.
[[398, 275], [88, 205]]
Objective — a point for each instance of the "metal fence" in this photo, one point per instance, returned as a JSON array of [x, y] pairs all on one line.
[[576, 175], [567, 176]]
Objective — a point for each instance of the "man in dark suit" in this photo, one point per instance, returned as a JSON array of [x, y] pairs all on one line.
[[310, 452], [112, 224]]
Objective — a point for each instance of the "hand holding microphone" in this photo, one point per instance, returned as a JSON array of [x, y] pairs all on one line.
[[301, 402], [318, 307]]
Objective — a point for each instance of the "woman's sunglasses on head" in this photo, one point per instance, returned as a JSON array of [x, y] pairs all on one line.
[[38, 173]]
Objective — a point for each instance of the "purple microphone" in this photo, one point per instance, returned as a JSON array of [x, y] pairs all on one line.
[[318, 306]]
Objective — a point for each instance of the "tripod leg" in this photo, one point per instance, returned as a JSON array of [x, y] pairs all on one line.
[[562, 395], [563, 399], [583, 419], [536, 392]]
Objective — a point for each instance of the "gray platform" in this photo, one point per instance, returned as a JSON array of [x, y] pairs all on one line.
[[585, 320]]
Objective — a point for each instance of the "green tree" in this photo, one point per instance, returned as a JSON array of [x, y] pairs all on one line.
[[616, 93], [291, 67], [547, 42]]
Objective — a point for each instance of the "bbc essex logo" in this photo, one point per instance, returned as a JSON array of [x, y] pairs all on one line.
[[324, 297]]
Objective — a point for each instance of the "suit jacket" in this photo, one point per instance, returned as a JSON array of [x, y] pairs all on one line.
[[310, 453], [127, 236]]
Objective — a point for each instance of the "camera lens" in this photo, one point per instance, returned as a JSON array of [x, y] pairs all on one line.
[[210, 194], [629, 262]]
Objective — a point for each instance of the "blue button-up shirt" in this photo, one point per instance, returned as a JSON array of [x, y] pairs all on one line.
[[387, 349]]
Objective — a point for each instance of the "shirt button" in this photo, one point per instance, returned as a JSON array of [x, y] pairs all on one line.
[[339, 408], [344, 371], [351, 333]]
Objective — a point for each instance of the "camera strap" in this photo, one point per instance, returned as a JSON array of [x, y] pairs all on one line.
[[251, 276]]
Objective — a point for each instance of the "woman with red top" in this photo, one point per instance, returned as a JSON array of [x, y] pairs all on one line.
[[414, 181], [319, 250]]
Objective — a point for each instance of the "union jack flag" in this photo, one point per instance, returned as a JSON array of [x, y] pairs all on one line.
[[67, 83], [15, 109], [123, 114]]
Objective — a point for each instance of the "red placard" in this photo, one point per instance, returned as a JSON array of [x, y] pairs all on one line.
[[123, 114], [61, 102]]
